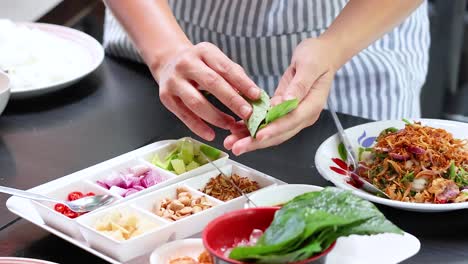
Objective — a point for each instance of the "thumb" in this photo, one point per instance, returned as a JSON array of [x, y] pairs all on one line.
[[301, 83]]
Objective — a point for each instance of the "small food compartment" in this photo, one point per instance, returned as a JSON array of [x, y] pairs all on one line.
[[131, 177], [124, 232], [217, 186], [60, 216], [187, 209], [186, 157]]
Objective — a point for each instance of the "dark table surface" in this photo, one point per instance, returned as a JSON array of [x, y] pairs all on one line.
[[116, 110]]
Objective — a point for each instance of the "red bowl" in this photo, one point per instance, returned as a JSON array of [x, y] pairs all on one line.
[[237, 225]]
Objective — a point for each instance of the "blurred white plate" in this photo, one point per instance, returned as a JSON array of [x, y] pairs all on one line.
[[382, 249], [4, 91], [364, 135], [280, 194], [81, 43]]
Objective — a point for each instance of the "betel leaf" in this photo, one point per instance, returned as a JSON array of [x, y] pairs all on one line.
[[323, 217], [342, 152], [259, 112], [281, 110]]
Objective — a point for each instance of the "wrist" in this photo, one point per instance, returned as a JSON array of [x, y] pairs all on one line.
[[334, 50]]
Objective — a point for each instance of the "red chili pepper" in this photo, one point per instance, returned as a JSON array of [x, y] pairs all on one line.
[[60, 208], [75, 196], [340, 163], [338, 170]]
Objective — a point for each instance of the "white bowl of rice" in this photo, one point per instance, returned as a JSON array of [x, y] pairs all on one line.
[[4, 91]]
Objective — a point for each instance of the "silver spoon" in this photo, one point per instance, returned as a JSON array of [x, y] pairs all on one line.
[[85, 204], [351, 157]]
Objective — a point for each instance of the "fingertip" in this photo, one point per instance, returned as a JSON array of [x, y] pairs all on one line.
[[254, 93], [275, 100], [245, 111], [209, 135], [228, 142], [236, 150]]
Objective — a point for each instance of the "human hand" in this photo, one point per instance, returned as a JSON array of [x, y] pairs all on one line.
[[204, 67], [308, 78]]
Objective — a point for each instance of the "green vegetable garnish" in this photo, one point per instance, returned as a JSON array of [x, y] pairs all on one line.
[[185, 156], [409, 177], [342, 152], [452, 172], [210, 152], [406, 121], [178, 165], [310, 223]]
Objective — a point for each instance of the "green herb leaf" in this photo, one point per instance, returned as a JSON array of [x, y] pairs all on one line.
[[259, 112], [452, 168], [409, 177], [342, 152], [406, 121], [281, 110]]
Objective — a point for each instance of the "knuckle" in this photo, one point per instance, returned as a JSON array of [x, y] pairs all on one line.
[[170, 84], [226, 67], [183, 64], [193, 102], [211, 79], [234, 102], [204, 46], [164, 96]]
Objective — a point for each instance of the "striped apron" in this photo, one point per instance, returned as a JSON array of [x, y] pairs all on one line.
[[382, 82]]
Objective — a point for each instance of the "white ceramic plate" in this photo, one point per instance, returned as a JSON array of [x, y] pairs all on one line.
[[364, 135], [82, 44]]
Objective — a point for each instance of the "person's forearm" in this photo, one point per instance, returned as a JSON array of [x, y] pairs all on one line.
[[152, 28], [362, 22]]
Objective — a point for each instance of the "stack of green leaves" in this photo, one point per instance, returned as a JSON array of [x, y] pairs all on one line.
[[185, 156], [310, 223], [263, 114]]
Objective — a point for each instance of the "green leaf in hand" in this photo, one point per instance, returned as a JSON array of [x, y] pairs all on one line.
[[259, 112], [281, 110]]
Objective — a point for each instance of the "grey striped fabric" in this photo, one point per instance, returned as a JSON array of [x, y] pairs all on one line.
[[382, 82]]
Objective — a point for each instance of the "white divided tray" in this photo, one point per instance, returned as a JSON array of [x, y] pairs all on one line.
[[80, 231]]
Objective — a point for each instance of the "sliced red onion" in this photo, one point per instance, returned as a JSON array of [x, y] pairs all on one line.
[[117, 190], [130, 192], [416, 150], [138, 187], [102, 184], [398, 157], [382, 149], [151, 178], [139, 170]]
